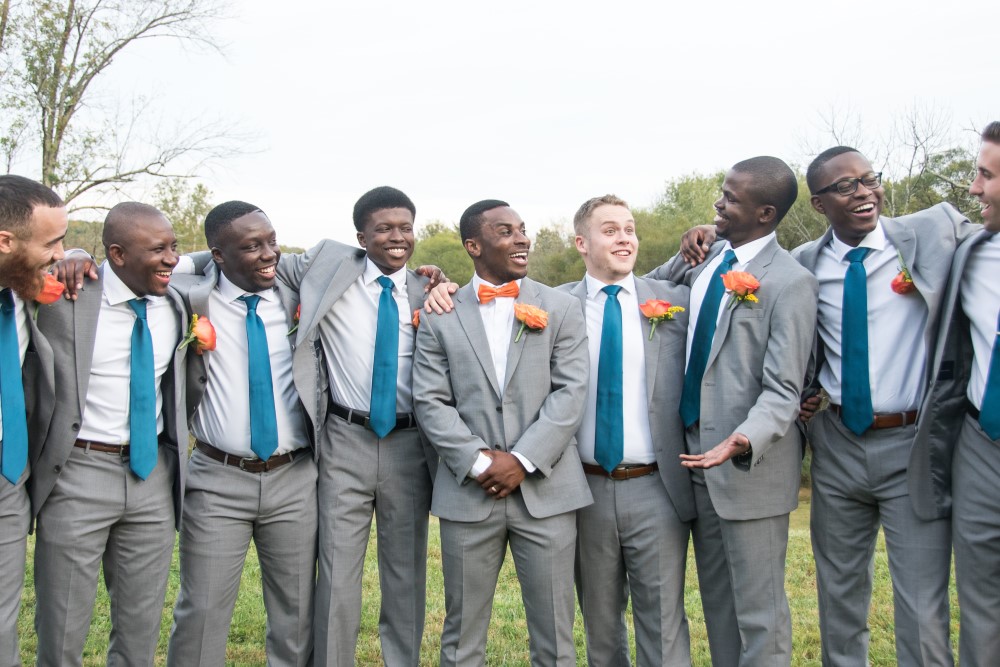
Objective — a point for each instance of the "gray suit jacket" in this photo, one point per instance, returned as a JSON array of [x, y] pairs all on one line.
[[321, 275], [664, 356], [458, 403], [753, 382], [195, 291], [64, 356], [927, 241]]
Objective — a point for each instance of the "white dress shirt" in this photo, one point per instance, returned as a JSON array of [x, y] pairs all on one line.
[[744, 255], [21, 322], [223, 416], [348, 335], [106, 411], [498, 321], [638, 446], [896, 350], [980, 290]]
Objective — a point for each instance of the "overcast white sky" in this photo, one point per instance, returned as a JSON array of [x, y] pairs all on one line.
[[545, 104]]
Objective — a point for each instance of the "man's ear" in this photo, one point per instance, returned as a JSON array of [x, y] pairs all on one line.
[[7, 242], [766, 214], [472, 247], [217, 256], [116, 254], [361, 240], [817, 204]]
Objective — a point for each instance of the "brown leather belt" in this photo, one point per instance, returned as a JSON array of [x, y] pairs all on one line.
[[246, 464], [121, 450], [403, 419], [885, 420], [622, 471]]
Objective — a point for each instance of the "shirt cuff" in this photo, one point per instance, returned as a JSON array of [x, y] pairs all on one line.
[[479, 467], [528, 465]]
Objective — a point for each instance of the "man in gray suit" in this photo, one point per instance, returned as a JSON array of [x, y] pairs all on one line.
[[353, 355], [251, 474], [632, 542], [106, 487], [868, 466], [499, 386], [740, 398], [32, 226], [964, 398]]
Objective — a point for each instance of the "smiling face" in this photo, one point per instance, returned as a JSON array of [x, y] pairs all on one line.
[[739, 218], [388, 238], [247, 252], [610, 245], [986, 185], [852, 216], [146, 255], [500, 250], [26, 260]]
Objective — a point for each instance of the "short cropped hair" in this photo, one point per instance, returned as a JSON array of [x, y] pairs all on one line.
[[773, 182], [582, 216], [222, 216], [992, 132], [378, 199], [812, 172], [18, 198], [472, 219], [119, 220]]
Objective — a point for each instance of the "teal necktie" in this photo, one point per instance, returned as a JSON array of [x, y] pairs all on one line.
[[263, 422], [382, 415], [704, 332], [142, 396], [856, 392], [989, 412], [609, 431], [15, 428]]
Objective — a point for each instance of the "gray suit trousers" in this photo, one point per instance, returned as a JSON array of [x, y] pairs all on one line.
[[98, 513], [976, 531], [15, 516], [631, 542], [753, 626], [472, 554], [224, 508], [857, 484], [359, 475]]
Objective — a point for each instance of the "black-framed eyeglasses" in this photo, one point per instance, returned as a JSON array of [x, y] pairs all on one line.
[[848, 186]]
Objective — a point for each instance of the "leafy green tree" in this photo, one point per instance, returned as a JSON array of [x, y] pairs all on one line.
[[186, 208], [441, 245], [554, 259]]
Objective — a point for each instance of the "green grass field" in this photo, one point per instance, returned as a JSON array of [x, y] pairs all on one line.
[[508, 640]]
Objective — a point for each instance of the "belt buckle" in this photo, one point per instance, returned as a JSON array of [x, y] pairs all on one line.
[[243, 464], [122, 455]]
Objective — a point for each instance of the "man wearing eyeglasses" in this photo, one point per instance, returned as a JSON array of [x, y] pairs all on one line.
[[876, 330]]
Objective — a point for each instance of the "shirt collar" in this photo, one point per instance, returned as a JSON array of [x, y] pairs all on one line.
[[746, 252], [594, 286], [115, 290], [230, 292], [372, 273], [874, 240]]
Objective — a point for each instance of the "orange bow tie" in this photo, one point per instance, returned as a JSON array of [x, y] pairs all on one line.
[[487, 293]]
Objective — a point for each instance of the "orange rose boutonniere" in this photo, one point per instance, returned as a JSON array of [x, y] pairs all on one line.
[[201, 333], [903, 282], [52, 289], [530, 317], [416, 319], [741, 287], [295, 320], [658, 310]]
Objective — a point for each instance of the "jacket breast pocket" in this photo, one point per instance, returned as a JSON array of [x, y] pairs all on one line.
[[742, 313]]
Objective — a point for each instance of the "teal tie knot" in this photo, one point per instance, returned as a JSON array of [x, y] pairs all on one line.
[[729, 258], [14, 455], [385, 365], [263, 418]]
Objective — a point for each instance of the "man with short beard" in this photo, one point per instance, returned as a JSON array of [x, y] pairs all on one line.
[[32, 226], [106, 487]]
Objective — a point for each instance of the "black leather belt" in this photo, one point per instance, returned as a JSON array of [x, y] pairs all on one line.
[[246, 464], [403, 419]]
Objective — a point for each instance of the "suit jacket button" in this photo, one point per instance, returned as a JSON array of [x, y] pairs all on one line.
[[496, 446], [499, 409], [58, 469], [75, 427], [202, 380]]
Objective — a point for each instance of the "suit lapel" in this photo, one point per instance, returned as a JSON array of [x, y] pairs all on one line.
[[528, 295], [414, 292], [651, 348], [348, 271], [810, 255], [85, 313], [467, 308]]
